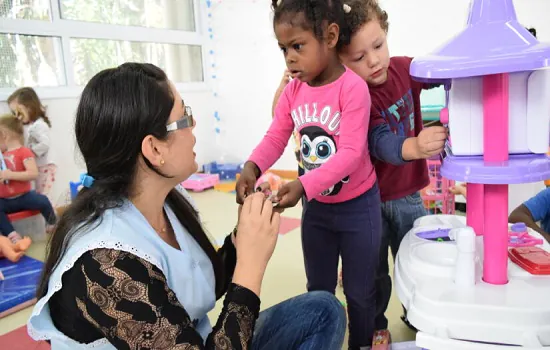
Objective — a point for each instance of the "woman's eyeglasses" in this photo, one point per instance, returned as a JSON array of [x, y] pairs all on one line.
[[186, 121]]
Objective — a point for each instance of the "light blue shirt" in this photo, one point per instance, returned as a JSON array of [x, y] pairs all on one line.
[[189, 272]]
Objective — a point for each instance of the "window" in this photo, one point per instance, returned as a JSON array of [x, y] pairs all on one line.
[[93, 55], [30, 60], [164, 14], [61, 44], [18, 9]]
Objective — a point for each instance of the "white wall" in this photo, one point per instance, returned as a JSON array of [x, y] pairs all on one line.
[[250, 64], [249, 67]]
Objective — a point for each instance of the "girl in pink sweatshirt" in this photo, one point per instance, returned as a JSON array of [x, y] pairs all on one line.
[[329, 106]]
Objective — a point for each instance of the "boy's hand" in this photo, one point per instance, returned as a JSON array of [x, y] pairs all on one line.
[[287, 77], [246, 182], [289, 194], [430, 141], [459, 189], [284, 82]]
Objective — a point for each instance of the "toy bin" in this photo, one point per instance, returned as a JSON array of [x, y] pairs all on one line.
[[201, 182], [227, 171], [436, 196], [29, 223]]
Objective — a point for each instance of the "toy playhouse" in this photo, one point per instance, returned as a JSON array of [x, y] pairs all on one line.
[[477, 282]]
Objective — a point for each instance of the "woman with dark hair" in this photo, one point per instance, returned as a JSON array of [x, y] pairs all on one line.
[[129, 265]]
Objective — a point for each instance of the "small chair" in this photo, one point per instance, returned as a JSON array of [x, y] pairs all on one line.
[[29, 223]]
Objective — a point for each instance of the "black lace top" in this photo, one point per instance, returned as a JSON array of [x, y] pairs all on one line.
[[116, 295]]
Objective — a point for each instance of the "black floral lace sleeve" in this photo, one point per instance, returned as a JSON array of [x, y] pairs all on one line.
[[228, 256], [116, 295]]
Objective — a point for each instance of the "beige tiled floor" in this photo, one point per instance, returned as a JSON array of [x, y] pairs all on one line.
[[284, 278]]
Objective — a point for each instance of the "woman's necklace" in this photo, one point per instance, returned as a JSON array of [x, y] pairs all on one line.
[[164, 229], [161, 231], [166, 233]]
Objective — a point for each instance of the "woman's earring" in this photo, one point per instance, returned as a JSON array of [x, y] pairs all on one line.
[[161, 162]]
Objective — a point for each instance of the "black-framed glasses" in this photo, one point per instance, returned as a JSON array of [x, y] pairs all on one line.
[[186, 121]]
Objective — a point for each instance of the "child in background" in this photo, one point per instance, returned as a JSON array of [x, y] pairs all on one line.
[[398, 143], [329, 106], [15, 182], [535, 209], [26, 106]]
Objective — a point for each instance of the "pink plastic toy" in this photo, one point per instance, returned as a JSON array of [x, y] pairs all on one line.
[[444, 116], [495, 145], [436, 196], [518, 237], [461, 294], [201, 182]]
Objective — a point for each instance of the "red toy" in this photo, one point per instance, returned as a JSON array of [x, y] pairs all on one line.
[[534, 260]]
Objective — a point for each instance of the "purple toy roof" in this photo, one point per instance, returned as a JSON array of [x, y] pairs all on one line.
[[492, 42]]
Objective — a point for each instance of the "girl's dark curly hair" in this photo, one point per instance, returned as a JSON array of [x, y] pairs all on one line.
[[316, 15]]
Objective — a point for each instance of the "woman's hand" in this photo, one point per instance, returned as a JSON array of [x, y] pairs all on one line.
[[256, 239], [265, 188], [257, 230]]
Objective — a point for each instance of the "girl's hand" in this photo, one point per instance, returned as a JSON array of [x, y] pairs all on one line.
[[5, 175], [247, 180], [290, 194], [19, 113]]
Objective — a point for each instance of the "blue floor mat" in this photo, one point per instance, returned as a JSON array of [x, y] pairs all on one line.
[[21, 280]]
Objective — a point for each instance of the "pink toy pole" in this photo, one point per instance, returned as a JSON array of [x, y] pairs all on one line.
[[474, 209], [495, 150]]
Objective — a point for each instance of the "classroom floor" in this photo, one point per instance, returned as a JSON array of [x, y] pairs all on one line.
[[285, 275]]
